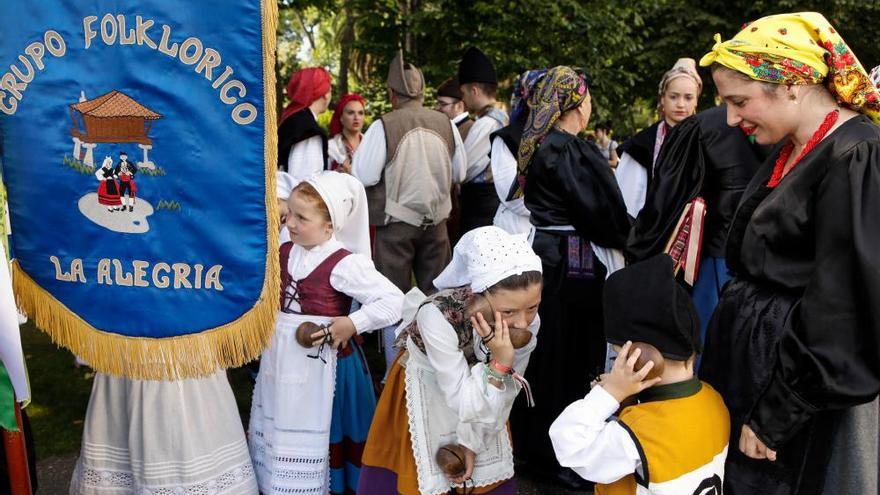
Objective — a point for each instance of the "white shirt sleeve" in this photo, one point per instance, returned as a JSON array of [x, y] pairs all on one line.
[[306, 158], [381, 301], [503, 174], [459, 158], [596, 449], [482, 408], [369, 158], [632, 178], [336, 150], [476, 146]]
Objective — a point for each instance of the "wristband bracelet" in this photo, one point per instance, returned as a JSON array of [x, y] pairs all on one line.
[[501, 368], [492, 373]]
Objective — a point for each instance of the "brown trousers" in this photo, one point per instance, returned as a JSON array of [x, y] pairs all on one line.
[[402, 250]]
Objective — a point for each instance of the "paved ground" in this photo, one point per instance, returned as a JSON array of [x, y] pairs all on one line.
[[54, 477], [53, 474]]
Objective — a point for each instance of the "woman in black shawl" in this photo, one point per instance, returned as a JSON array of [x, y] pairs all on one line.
[[794, 344], [574, 203]]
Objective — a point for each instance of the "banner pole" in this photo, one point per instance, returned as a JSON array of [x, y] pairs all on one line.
[[16, 458]]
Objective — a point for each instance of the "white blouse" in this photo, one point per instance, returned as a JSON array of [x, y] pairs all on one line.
[[370, 158], [476, 146], [355, 276], [632, 178], [512, 216], [482, 408], [306, 157], [337, 151]]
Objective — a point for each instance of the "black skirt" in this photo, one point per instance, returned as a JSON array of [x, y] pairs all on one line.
[[739, 359], [570, 351]]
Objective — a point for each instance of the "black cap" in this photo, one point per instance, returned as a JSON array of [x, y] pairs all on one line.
[[644, 303], [450, 88], [475, 66]]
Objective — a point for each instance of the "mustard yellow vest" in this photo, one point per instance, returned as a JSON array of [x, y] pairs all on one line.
[[681, 431]]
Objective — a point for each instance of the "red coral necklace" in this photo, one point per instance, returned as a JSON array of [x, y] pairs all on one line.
[[820, 133]]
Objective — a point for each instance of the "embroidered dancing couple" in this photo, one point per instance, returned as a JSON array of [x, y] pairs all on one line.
[[116, 183]]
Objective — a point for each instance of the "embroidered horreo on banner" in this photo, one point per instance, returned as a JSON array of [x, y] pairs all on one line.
[[138, 150]]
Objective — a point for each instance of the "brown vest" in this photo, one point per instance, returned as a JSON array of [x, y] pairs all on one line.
[[464, 127], [398, 124]]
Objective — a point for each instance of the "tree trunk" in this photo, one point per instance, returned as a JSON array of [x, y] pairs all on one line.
[[308, 32], [345, 42]]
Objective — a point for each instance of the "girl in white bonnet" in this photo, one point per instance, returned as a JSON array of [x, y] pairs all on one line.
[[457, 376]]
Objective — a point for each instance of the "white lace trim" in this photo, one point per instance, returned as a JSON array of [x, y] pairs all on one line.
[[423, 394], [291, 410], [300, 474], [113, 480]]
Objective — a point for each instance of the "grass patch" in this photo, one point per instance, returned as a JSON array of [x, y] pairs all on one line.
[[60, 394], [60, 391], [77, 165], [152, 172], [168, 205]]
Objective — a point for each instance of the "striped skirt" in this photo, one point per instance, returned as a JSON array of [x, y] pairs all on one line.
[[354, 402]]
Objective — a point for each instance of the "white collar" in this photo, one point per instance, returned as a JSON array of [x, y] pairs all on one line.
[[460, 117]]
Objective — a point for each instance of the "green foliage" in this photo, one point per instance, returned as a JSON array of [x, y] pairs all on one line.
[[78, 165], [152, 172], [168, 205], [626, 45]]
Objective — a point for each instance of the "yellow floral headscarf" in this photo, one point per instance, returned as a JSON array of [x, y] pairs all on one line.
[[802, 48]]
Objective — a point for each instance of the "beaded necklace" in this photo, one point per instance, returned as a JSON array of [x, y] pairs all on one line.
[[820, 133]]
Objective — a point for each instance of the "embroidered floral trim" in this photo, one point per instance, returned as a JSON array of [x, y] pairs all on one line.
[[779, 69], [452, 304]]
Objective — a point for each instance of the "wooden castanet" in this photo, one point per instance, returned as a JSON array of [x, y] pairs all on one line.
[[450, 458], [519, 337], [649, 353], [304, 333]]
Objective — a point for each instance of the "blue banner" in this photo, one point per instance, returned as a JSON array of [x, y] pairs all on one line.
[[138, 143]]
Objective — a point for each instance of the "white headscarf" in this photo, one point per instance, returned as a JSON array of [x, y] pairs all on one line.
[[485, 256], [284, 184], [347, 201]]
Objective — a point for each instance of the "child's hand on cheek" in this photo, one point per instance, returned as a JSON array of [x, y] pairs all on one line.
[[623, 381]]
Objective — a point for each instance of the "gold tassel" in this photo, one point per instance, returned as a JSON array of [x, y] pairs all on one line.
[[187, 356]]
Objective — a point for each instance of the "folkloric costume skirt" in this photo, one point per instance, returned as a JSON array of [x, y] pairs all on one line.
[[289, 433], [108, 193], [389, 464], [354, 403], [738, 361], [163, 437]]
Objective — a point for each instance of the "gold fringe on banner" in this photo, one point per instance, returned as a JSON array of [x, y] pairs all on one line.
[[187, 356]]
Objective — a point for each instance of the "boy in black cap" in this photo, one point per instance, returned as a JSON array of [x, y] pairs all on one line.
[[673, 440], [450, 104], [479, 84]]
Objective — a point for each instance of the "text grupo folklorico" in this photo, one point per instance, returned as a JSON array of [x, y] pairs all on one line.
[[114, 29]]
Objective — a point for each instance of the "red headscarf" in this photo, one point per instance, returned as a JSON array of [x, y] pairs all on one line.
[[305, 86], [336, 121]]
